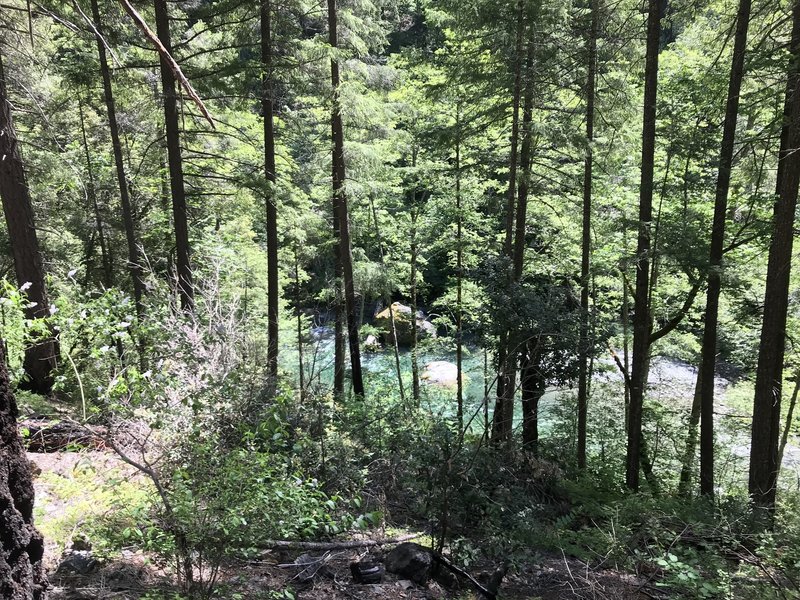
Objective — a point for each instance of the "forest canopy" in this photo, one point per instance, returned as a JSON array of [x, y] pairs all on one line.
[[512, 276]]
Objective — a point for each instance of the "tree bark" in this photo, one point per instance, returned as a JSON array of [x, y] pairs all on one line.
[[586, 237], [40, 358], [268, 108], [709, 348], [180, 222], [641, 317], [764, 465], [340, 209], [22, 575]]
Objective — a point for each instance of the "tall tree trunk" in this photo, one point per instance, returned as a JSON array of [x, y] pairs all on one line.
[[459, 281], [180, 222], [267, 108], [586, 238], [501, 410], [340, 208], [518, 344], [22, 575], [515, 103], [641, 316], [299, 323], [769, 373], [626, 355], [135, 266], [91, 192], [413, 282], [40, 358], [709, 348]]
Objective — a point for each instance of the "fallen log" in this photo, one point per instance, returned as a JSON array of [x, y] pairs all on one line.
[[344, 545]]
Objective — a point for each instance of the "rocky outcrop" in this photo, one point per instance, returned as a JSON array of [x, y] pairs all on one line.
[[403, 324], [21, 546]]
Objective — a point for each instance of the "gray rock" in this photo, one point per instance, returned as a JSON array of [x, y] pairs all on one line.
[[78, 562], [411, 561], [441, 373]]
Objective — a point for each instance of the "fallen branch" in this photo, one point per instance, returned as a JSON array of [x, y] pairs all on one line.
[[173, 65], [489, 591], [293, 545]]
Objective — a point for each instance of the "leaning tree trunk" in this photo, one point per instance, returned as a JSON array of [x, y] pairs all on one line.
[[40, 358], [341, 212], [764, 465], [641, 316], [180, 221], [22, 574], [267, 107], [709, 349]]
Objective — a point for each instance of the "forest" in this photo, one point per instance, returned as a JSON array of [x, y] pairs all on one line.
[[363, 299]]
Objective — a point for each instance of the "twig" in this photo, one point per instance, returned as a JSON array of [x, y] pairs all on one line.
[[96, 32], [80, 384]]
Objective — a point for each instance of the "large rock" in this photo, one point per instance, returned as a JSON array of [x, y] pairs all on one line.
[[403, 324], [411, 561], [442, 373]]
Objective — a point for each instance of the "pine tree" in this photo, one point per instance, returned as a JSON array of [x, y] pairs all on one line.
[[764, 465]]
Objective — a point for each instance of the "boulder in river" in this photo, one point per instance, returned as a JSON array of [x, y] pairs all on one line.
[[403, 324], [442, 373], [372, 344]]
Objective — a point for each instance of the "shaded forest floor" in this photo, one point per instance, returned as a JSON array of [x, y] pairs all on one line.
[[133, 574]]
